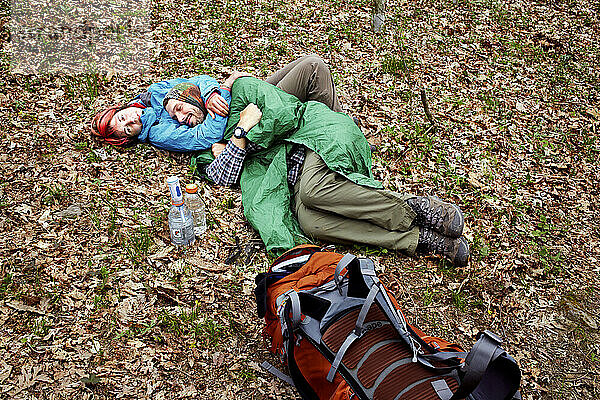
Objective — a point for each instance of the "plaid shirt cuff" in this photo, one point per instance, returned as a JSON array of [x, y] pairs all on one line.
[[226, 168]]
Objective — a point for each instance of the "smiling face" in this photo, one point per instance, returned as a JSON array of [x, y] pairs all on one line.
[[127, 122], [185, 113]]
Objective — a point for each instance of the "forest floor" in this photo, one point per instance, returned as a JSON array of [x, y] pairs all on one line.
[[96, 304]]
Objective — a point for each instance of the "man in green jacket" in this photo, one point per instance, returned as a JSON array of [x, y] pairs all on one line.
[[305, 171]]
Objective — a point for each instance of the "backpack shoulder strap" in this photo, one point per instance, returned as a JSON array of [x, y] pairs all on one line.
[[480, 357], [486, 349]]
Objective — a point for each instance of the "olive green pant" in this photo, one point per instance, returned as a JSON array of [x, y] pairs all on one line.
[[307, 78], [332, 208]]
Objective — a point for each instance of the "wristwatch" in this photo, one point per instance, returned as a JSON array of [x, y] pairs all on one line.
[[239, 132]]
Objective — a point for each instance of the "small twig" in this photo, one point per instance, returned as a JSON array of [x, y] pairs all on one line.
[[26, 308], [235, 253], [430, 129], [454, 119], [202, 265], [175, 299], [426, 108], [463, 283], [185, 373], [429, 306]]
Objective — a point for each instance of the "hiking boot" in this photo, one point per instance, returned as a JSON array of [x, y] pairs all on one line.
[[438, 215], [454, 249]]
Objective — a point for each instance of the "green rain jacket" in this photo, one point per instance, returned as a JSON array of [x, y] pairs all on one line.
[[266, 195]]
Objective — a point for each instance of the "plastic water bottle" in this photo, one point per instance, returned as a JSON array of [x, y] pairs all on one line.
[[197, 207], [181, 221]]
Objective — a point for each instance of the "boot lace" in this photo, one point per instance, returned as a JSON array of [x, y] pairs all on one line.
[[427, 215], [433, 242]]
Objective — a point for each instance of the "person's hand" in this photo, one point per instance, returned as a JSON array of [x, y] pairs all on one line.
[[234, 75], [216, 104], [217, 149], [249, 117]]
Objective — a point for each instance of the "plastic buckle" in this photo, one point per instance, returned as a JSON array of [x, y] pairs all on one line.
[[492, 336]]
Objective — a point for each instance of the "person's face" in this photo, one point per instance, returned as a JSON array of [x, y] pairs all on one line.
[[127, 122], [184, 113]]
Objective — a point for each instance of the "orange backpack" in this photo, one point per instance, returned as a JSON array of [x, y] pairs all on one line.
[[343, 336]]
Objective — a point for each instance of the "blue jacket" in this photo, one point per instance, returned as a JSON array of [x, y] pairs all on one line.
[[162, 131]]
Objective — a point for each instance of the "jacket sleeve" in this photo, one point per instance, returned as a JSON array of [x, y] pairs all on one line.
[[169, 134], [207, 84]]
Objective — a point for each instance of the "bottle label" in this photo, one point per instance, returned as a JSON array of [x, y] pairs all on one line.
[[182, 233], [189, 233]]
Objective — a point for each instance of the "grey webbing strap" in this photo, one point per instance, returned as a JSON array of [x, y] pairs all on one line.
[[295, 307], [340, 354], [271, 369], [296, 313], [344, 262], [367, 267], [368, 271], [400, 324], [445, 355], [397, 316], [442, 390], [365, 309]]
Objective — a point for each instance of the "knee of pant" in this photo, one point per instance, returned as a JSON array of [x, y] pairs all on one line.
[[312, 58], [316, 62], [307, 194], [306, 222]]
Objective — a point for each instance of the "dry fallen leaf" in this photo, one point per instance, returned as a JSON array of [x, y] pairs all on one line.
[[5, 371]]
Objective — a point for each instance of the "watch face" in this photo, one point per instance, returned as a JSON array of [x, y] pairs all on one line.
[[239, 133]]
